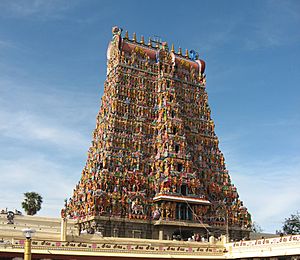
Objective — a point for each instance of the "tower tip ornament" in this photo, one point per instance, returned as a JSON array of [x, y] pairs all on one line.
[[179, 51], [187, 53], [172, 48], [142, 40], [116, 30], [194, 55], [134, 37], [126, 35]]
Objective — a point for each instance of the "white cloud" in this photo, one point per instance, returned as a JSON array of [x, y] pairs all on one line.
[[46, 116], [221, 35], [268, 185], [269, 188], [44, 135], [4, 44], [43, 9], [275, 26], [52, 179], [31, 128]]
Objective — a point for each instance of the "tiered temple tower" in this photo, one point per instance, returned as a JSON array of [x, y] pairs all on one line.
[[154, 169]]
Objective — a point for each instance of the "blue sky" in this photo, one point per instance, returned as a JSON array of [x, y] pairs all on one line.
[[53, 65]]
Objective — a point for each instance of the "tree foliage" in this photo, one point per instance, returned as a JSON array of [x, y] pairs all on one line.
[[32, 203], [291, 225]]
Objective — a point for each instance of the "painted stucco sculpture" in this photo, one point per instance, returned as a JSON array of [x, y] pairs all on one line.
[[154, 156]]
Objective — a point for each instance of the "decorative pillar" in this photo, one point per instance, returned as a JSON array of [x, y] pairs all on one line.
[[27, 249], [161, 234], [63, 229]]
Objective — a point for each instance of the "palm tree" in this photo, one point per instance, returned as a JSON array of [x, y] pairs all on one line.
[[32, 203]]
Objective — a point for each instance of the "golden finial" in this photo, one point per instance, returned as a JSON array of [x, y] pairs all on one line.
[[126, 35], [186, 53], [142, 39], [179, 51], [149, 43], [134, 37], [172, 48]]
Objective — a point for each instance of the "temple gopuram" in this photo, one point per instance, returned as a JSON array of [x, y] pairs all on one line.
[[154, 169]]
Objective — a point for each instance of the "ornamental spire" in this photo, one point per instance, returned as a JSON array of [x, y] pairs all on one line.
[[126, 35], [134, 37], [172, 48], [186, 53], [179, 51]]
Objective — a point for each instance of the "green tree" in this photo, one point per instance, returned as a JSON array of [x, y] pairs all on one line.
[[291, 225], [32, 203]]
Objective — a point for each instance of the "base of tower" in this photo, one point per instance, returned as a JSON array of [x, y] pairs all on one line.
[[156, 229]]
